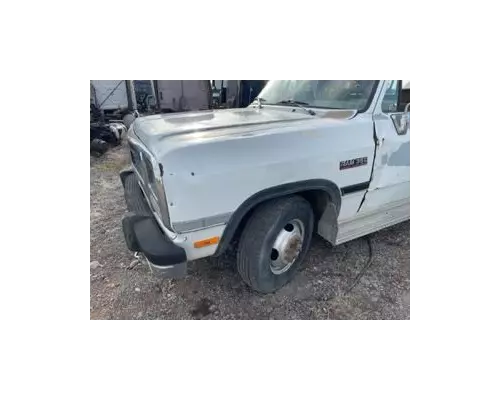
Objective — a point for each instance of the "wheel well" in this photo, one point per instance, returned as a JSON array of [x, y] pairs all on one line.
[[317, 197]]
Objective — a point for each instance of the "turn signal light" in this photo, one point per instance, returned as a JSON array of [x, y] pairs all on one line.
[[206, 242]]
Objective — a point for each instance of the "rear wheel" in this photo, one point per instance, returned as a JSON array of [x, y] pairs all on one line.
[[274, 242]]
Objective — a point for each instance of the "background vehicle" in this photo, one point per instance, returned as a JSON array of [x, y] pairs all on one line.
[[116, 99], [111, 96], [115, 102], [235, 94], [175, 96]]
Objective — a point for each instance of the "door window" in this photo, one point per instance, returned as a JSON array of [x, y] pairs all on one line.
[[394, 102], [391, 98]]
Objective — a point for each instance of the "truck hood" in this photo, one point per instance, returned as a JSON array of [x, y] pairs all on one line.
[[154, 130]]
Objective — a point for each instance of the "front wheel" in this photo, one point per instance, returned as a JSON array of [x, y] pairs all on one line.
[[274, 242]]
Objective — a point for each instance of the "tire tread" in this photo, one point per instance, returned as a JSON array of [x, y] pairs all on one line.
[[256, 229]]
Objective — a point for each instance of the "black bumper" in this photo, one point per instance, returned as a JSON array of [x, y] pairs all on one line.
[[142, 233]]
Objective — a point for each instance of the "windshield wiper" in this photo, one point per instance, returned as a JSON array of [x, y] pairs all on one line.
[[259, 101], [300, 104]]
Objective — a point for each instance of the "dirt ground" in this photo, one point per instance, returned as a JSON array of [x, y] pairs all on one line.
[[121, 288]]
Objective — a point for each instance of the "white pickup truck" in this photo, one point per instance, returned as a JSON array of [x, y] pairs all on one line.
[[325, 157]]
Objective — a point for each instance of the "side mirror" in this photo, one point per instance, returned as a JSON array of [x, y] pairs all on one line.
[[401, 121], [407, 108]]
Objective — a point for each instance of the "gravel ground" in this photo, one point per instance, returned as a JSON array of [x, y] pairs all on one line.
[[121, 288]]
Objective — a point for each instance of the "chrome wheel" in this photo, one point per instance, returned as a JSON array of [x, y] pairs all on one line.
[[287, 246]]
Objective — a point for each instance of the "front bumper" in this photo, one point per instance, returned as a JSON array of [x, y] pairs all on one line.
[[142, 233]]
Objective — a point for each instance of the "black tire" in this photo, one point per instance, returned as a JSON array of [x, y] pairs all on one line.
[[259, 235], [99, 146]]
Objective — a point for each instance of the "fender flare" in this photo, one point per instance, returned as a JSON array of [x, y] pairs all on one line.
[[253, 201]]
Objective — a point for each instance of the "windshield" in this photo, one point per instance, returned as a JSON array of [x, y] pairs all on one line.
[[352, 95]]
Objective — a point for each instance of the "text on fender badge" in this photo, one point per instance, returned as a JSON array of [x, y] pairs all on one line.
[[355, 162]]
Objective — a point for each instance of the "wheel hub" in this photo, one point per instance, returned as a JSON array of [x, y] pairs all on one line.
[[287, 247]]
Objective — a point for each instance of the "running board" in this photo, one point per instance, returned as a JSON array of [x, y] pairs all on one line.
[[363, 224]]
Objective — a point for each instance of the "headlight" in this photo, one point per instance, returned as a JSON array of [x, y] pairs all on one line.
[[155, 186], [152, 182], [149, 172]]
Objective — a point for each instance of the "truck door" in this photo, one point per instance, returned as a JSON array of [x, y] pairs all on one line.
[[390, 182]]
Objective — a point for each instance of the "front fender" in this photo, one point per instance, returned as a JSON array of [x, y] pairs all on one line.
[[330, 188]]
